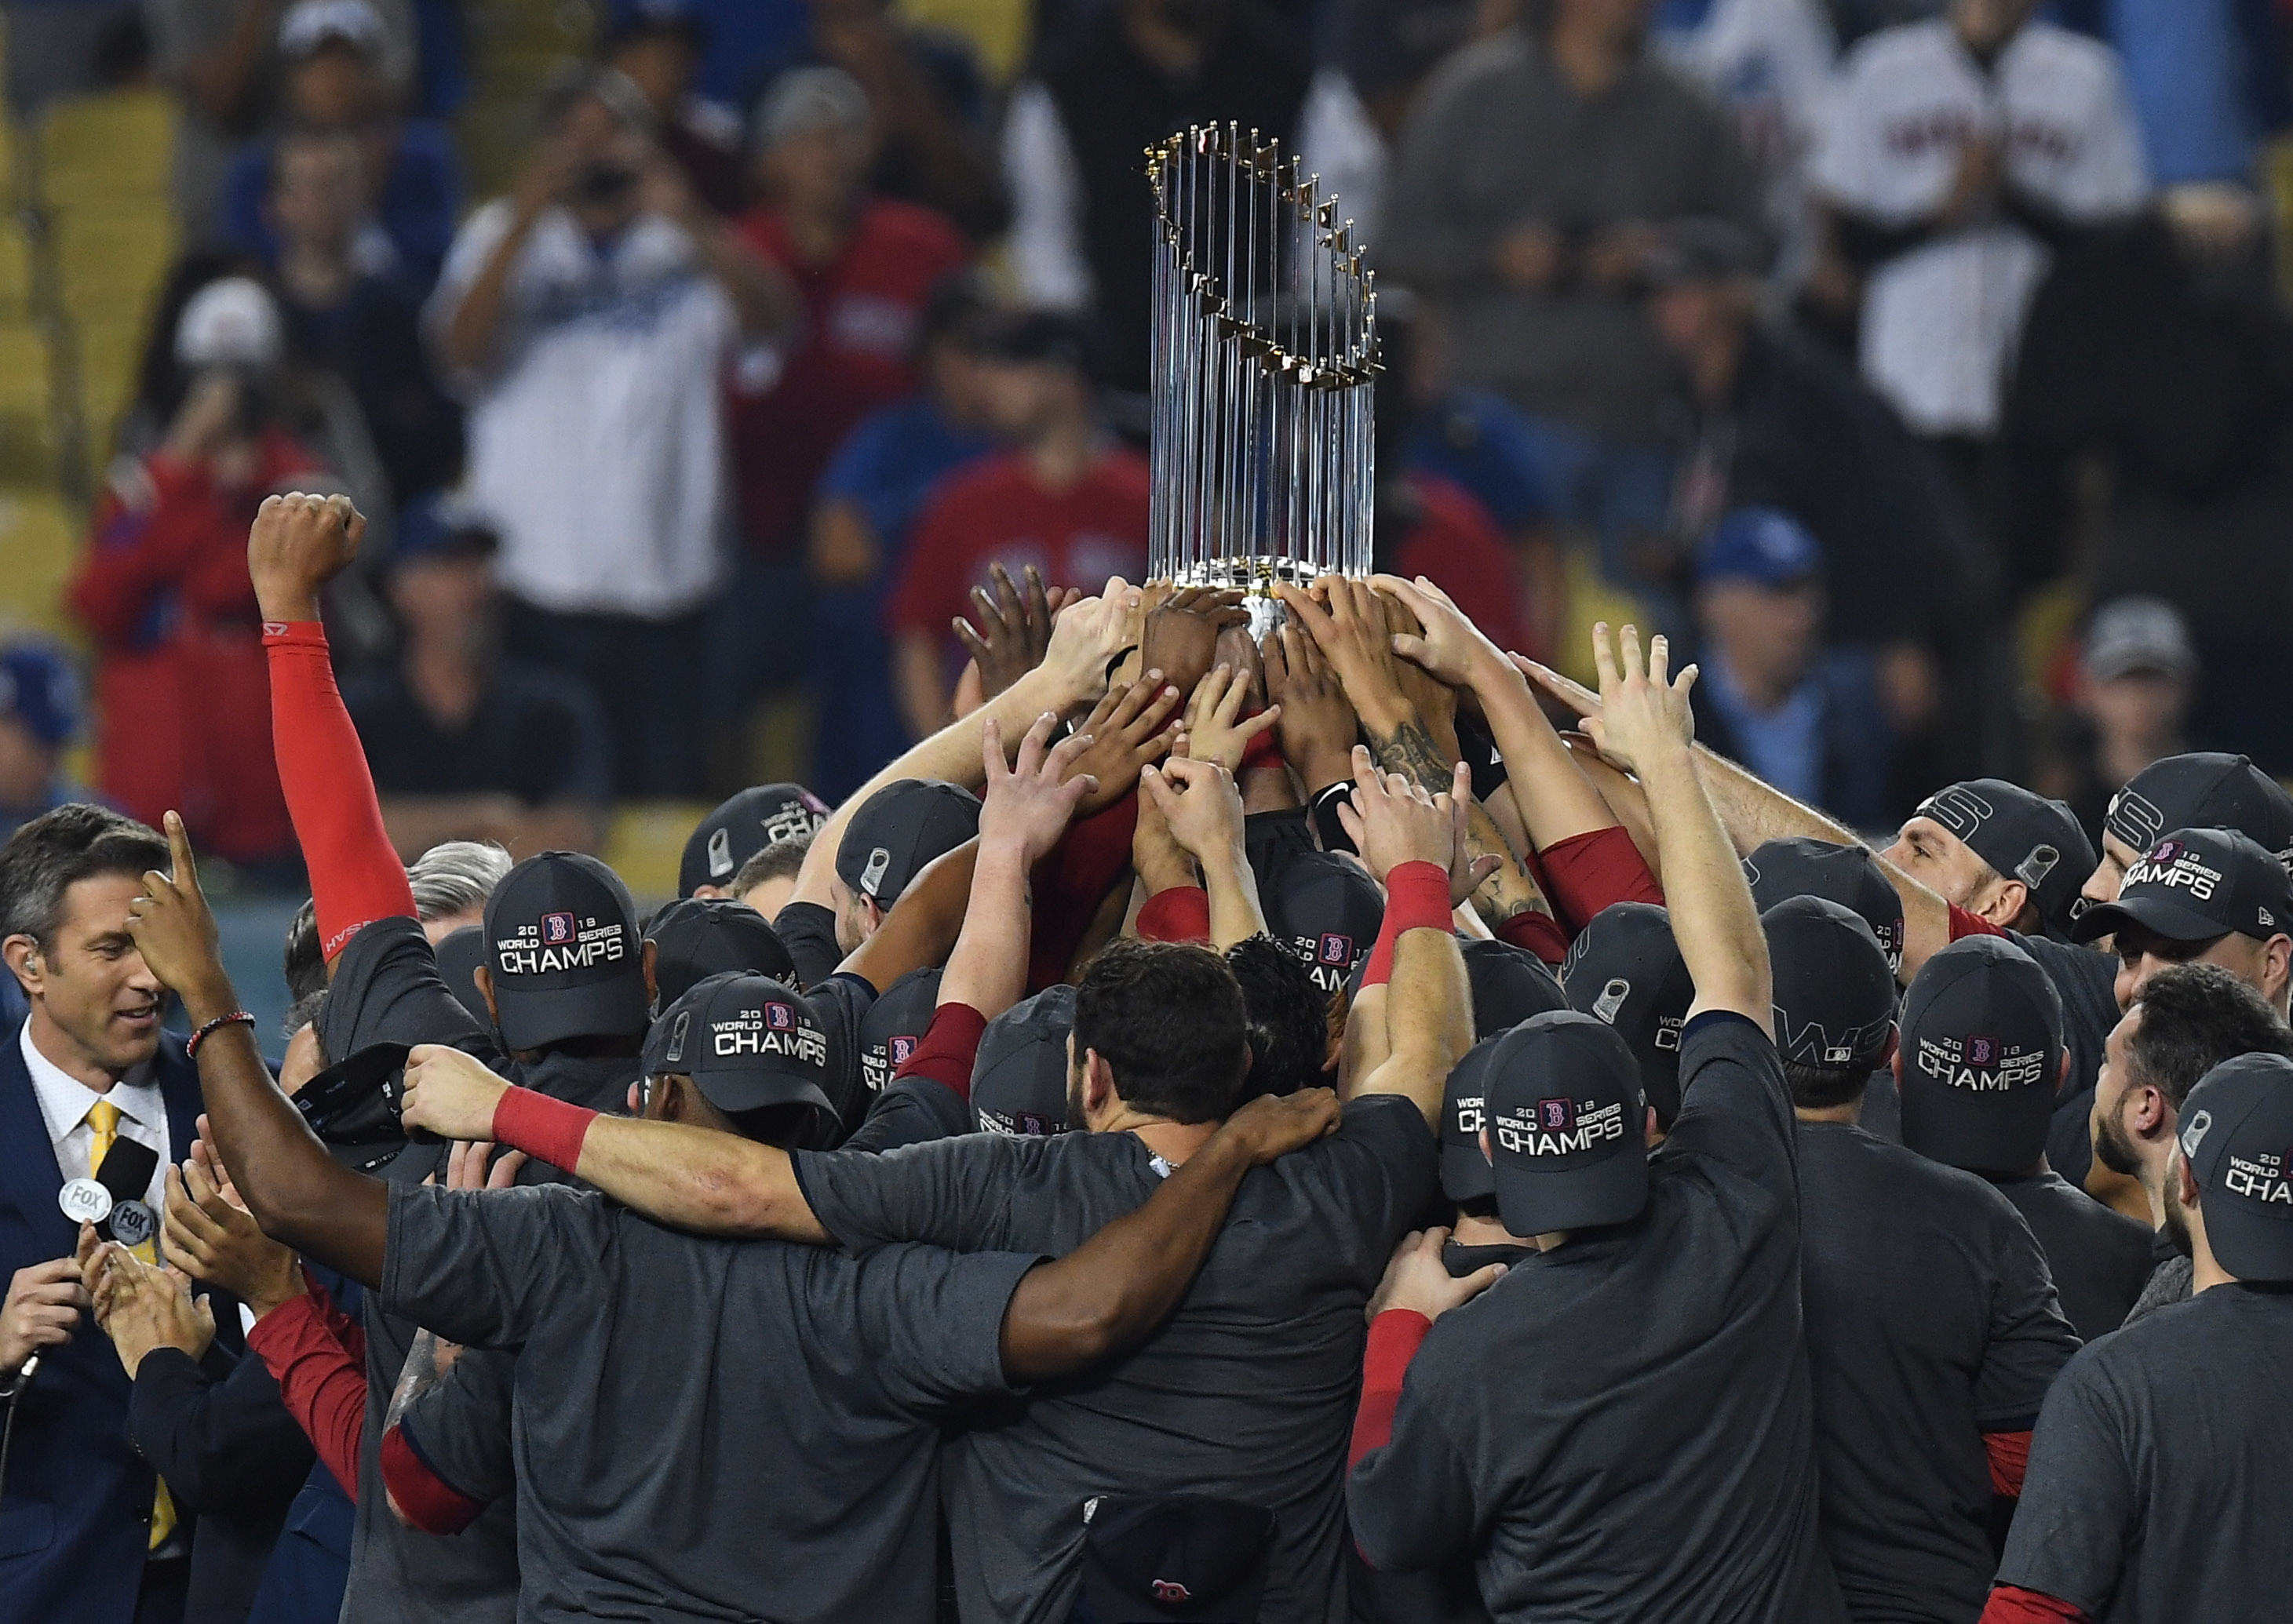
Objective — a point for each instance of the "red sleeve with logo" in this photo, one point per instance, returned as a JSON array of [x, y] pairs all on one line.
[[1587, 873], [945, 1054], [318, 1358], [2013, 1604]]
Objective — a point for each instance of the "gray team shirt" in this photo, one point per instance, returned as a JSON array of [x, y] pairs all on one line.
[[1247, 1394], [707, 1429]]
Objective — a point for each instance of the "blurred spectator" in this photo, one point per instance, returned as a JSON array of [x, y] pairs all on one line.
[[1956, 153], [1067, 499], [586, 319], [221, 58], [337, 81], [466, 743], [1535, 175], [747, 39], [1804, 717], [181, 681], [1075, 135], [40, 714], [2207, 79], [2135, 678], [866, 505], [346, 313], [660, 49]]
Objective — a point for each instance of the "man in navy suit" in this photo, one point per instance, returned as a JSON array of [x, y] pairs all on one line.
[[86, 1529]]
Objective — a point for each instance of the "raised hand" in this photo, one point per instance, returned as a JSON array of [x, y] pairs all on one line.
[[176, 933], [1644, 709], [1028, 804], [1088, 636], [1129, 727], [449, 1093], [1199, 802], [1318, 725], [1181, 636], [1416, 1279], [1567, 689], [1392, 822], [298, 544], [1212, 732], [1273, 1126], [466, 1168], [1447, 645], [142, 1308], [1347, 621], [214, 1241], [1015, 626]]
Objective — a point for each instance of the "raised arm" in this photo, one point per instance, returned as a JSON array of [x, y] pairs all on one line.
[[1644, 726], [1110, 1293], [296, 1191], [1199, 803], [1026, 810]]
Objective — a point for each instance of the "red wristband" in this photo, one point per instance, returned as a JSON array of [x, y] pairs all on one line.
[[1263, 750], [546, 1129], [1416, 898], [1180, 914]]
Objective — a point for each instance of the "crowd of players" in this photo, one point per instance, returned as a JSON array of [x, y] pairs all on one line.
[[1218, 1131]]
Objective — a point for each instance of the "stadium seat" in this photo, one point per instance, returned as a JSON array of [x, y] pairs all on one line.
[[27, 411], [645, 842], [117, 147], [40, 536], [15, 268]]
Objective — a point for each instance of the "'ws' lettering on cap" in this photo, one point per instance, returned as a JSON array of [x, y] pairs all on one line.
[[1982, 1052], [897, 833], [695, 938], [1849, 876], [2202, 790], [1019, 1076], [1834, 994], [1566, 1121], [749, 1043], [760, 816], [562, 946], [2022, 836], [1624, 968], [2236, 1136], [2195, 884], [1509, 985]]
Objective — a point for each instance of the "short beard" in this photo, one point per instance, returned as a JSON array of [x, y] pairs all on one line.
[[2114, 1149], [2177, 1229]]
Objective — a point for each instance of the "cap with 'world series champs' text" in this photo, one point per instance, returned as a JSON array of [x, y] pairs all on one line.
[[1567, 1125], [748, 1042], [2203, 789], [694, 938], [2022, 836], [2195, 884], [1465, 1174], [1982, 1052], [899, 831], [759, 816], [894, 1023], [1849, 876], [1834, 994], [2236, 1136], [562, 946], [1019, 1076], [1624, 968], [1323, 908]]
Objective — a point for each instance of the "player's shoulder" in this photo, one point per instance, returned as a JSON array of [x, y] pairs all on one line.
[[1910, 48], [2046, 48]]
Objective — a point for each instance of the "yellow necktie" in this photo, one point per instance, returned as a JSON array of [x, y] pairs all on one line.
[[103, 1128]]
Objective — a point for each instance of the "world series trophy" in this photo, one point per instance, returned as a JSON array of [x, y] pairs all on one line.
[[1265, 348]]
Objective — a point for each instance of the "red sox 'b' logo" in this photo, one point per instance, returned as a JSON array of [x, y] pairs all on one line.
[[1171, 1590], [556, 929], [1556, 1116]]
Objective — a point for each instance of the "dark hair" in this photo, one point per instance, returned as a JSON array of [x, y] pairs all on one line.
[[304, 965], [304, 1012], [783, 860], [1288, 1018], [2194, 1018], [1823, 1087], [1167, 1017], [47, 856]]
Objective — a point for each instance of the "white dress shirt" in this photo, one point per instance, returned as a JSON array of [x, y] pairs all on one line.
[[64, 1101]]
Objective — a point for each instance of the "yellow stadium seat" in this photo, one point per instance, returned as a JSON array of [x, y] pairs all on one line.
[[40, 536], [110, 259], [27, 411], [15, 268], [1591, 599], [998, 29], [113, 148], [645, 842]]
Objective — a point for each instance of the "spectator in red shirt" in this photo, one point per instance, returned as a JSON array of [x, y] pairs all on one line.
[[1066, 498], [181, 680]]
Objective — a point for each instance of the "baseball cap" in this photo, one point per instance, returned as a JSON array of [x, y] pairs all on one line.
[[1982, 1046], [233, 321], [1465, 1174], [899, 830], [761, 815], [312, 23], [2135, 635], [1849, 876], [1834, 994], [1568, 1143], [1624, 968], [2236, 1136], [459, 953], [1509, 984], [803, 100], [2204, 790], [694, 938], [894, 1023], [353, 1106], [1323, 908], [36, 688], [749, 1043], [1759, 544], [2022, 835], [1186, 1558], [2196, 884], [562, 944], [1019, 1076]]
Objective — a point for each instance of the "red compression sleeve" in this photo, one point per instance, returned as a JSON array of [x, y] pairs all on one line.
[[1964, 924], [1263, 750], [1540, 933], [355, 876], [1585, 873], [426, 1500], [546, 1129], [1071, 883], [946, 1052], [318, 1357], [1180, 914], [2010, 1457], [1416, 898], [1393, 1336], [2013, 1604]]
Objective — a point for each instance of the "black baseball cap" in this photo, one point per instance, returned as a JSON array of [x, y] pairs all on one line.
[[1568, 1140], [1849, 876], [354, 1107], [1465, 1174], [894, 1023], [762, 815], [1323, 908], [749, 1043], [1982, 1048], [1183, 1558], [2202, 790], [694, 938], [2022, 836], [1509, 983], [1019, 1076], [2236, 1136], [459, 953], [899, 830], [2195, 884], [562, 944], [1624, 968], [1834, 994]]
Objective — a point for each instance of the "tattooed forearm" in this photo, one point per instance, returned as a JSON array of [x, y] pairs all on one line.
[[1409, 748]]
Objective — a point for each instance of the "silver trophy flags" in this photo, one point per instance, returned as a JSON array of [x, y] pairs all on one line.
[[1265, 347]]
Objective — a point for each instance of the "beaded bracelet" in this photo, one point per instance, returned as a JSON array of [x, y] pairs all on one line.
[[237, 1017]]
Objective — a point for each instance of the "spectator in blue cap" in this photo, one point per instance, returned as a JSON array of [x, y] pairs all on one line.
[[40, 714], [1803, 715]]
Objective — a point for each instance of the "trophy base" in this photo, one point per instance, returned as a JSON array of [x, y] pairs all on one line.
[[1255, 578]]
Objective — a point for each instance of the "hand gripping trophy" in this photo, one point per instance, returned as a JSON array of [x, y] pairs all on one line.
[[1265, 347]]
